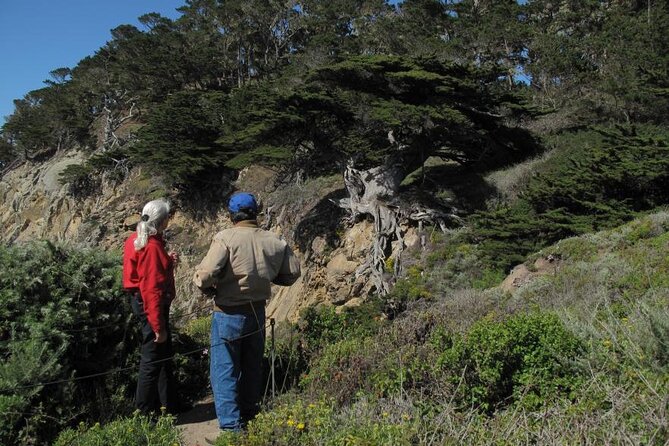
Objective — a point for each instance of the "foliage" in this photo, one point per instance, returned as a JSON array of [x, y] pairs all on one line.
[[80, 179], [301, 423], [64, 316], [526, 358], [598, 179], [179, 138], [47, 120], [474, 366], [566, 61], [409, 288], [234, 83], [136, 430], [7, 153], [199, 330], [324, 325], [454, 262], [347, 110], [319, 327], [53, 301], [569, 53]]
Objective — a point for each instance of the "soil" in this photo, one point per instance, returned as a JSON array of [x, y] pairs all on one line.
[[199, 423]]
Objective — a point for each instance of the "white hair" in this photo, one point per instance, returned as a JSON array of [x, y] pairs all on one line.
[[154, 213]]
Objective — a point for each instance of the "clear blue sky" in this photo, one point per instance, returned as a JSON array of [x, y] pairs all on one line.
[[38, 36]]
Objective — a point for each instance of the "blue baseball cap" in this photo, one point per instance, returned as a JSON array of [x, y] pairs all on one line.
[[243, 201]]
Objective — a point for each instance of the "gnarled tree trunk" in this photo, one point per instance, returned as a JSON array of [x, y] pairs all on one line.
[[372, 192], [375, 192]]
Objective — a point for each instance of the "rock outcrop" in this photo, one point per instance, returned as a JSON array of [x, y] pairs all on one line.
[[35, 205]]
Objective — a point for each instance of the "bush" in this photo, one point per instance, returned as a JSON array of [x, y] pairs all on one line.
[[341, 369], [323, 325], [527, 358], [62, 315], [198, 330], [319, 424], [409, 288], [290, 358], [454, 262], [133, 431], [81, 179]]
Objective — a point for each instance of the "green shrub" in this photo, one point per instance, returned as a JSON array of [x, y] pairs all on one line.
[[409, 288], [455, 262], [136, 430], [290, 358], [199, 330], [323, 325], [62, 315], [80, 178], [320, 424], [191, 371], [527, 358], [341, 369]]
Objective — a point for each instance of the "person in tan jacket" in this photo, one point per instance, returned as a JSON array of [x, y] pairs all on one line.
[[241, 265]]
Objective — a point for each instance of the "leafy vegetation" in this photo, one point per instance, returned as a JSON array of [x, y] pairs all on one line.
[[243, 82], [587, 345], [66, 317], [52, 301], [598, 179], [135, 430]]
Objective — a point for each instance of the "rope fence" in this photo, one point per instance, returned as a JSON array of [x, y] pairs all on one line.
[[83, 330], [123, 369]]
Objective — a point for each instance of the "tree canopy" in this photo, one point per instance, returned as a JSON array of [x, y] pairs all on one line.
[[385, 110], [317, 84]]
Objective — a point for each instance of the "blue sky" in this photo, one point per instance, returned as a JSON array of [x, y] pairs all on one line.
[[38, 36]]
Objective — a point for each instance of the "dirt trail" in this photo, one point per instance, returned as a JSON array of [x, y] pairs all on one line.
[[199, 423]]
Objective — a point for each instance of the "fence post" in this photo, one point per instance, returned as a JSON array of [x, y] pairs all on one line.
[[271, 323]]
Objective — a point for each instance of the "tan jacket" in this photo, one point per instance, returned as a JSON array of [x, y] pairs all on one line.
[[243, 262]]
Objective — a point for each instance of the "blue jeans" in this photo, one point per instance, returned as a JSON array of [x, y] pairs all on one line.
[[236, 365]]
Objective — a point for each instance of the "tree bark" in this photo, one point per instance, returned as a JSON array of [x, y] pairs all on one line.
[[371, 192], [375, 192]]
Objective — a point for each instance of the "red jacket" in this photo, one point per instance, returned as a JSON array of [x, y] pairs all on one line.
[[130, 277], [155, 272]]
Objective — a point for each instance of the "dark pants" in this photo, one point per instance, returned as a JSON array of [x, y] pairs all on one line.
[[155, 383]]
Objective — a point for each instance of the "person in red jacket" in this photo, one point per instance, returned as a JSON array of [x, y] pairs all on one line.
[[148, 276]]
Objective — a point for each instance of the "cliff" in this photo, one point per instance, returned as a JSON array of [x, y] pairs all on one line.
[[35, 205]]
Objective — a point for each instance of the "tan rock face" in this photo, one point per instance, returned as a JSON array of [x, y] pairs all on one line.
[[34, 205]]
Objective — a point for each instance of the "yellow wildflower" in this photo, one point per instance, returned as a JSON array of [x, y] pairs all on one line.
[[300, 426], [290, 422]]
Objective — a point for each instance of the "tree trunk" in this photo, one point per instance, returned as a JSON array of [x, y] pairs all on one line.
[[371, 193], [375, 192]]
